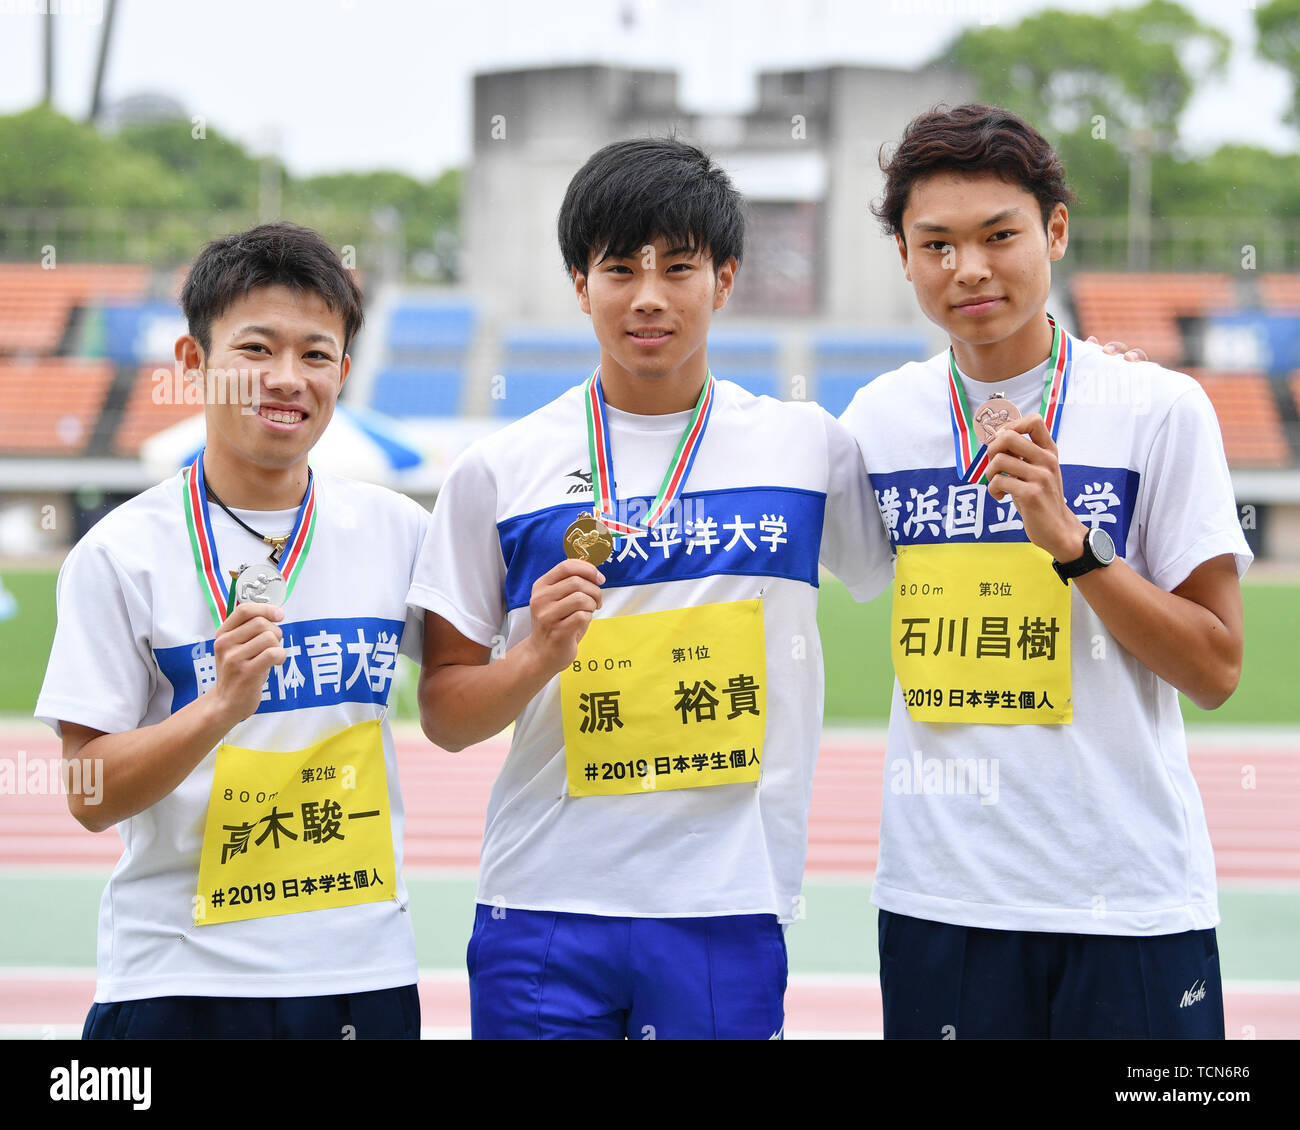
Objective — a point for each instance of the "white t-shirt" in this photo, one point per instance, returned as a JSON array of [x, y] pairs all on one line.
[[774, 487], [134, 644], [1094, 827]]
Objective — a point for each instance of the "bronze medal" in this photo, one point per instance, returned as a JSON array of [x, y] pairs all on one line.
[[589, 539], [994, 414]]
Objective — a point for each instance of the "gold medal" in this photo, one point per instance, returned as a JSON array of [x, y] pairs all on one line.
[[589, 539], [993, 415]]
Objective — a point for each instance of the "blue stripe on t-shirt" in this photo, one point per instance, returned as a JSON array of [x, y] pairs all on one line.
[[343, 659], [931, 506], [753, 531]]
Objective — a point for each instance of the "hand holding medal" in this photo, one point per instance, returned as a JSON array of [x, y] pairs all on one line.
[[1016, 455], [565, 599], [589, 539], [248, 644], [993, 415], [561, 606], [1025, 465]]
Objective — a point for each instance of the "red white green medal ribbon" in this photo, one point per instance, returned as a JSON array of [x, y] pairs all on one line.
[[602, 458], [218, 595], [972, 456]]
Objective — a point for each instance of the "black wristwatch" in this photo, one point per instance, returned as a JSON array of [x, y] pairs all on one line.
[[1098, 552]]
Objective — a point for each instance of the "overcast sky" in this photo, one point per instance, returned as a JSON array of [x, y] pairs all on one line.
[[365, 84]]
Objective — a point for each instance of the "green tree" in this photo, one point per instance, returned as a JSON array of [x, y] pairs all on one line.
[[210, 172], [50, 161], [428, 211], [1130, 66], [1235, 181], [1278, 24], [1096, 85]]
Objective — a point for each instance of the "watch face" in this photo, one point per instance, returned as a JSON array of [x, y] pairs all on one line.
[[1102, 546]]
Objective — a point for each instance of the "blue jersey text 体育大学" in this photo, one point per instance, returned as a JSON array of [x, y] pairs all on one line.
[[344, 659]]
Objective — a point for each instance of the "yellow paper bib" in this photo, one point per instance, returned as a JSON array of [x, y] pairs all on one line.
[[666, 700], [981, 633], [305, 830]]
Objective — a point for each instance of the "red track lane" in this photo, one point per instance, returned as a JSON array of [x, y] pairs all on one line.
[[1255, 831], [826, 1007]]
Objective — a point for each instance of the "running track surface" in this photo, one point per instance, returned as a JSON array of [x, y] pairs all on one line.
[[1255, 832]]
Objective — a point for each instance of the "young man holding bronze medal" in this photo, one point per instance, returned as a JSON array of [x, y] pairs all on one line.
[[655, 642], [240, 713], [1068, 559]]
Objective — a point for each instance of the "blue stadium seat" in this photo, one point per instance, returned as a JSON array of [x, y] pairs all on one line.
[[404, 391], [421, 330], [743, 351], [761, 382], [834, 390], [526, 390], [138, 332], [844, 361], [848, 349], [538, 349]]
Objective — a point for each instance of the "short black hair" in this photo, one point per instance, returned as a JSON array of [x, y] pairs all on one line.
[[632, 191], [278, 254], [973, 138]]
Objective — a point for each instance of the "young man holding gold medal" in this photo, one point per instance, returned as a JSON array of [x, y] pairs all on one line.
[[654, 642], [227, 654], [1068, 559]]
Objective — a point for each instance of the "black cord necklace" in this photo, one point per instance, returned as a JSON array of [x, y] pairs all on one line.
[[277, 544]]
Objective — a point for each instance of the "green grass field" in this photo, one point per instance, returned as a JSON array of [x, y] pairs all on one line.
[[855, 641]]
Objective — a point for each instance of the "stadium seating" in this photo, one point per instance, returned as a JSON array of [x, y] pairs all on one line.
[[50, 407], [423, 332], [35, 303], [1280, 292], [845, 361], [526, 390], [1143, 309], [751, 360], [1253, 435], [418, 391], [151, 406], [136, 332], [537, 365]]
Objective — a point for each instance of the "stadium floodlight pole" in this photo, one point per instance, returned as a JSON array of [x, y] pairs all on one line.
[[1142, 142], [101, 63], [268, 182], [47, 28]]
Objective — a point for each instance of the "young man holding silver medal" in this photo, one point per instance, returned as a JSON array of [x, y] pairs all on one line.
[[240, 714], [655, 642], [1068, 559]]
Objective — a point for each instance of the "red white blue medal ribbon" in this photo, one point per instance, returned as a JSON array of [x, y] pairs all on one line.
[[602, 458], [973, 457], [198, 522]]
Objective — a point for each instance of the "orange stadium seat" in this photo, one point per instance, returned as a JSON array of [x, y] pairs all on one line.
[[1142, 309], [1280, 292], [35, 302], [1248, 417], [143, 416], [50, 407]]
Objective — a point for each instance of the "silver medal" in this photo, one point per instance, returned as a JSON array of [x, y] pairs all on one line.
[[260, 584]]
